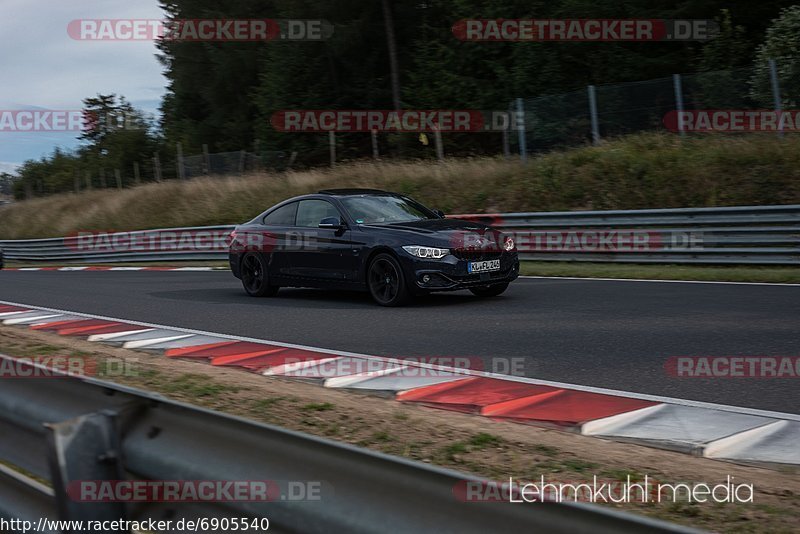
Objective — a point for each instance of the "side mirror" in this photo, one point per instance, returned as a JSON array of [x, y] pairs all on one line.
[[440, 213], [331, 222]]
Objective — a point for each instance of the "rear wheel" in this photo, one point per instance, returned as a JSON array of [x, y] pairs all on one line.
[[386, 282], [255, 276], [489, 291]]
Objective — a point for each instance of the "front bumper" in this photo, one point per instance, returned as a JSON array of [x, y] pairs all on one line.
[[450, 273]]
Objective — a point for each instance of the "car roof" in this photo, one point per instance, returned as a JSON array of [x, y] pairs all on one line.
[[354, 191]]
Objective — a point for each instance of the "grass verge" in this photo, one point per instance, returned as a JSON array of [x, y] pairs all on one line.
[[466, 443], [763, 274], [736, 273]]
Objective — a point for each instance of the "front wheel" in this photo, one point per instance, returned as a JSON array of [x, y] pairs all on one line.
[[255, 276], [489, 291], [386, 282]]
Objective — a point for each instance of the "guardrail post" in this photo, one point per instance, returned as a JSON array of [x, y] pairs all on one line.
[[523, 148], [85, 450], [678, 87], [593, 115], [776, 93]]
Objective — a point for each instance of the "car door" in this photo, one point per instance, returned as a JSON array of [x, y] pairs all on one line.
[[324, 253], [276, 238]]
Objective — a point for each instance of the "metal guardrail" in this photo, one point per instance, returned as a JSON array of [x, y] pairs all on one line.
[[735, 235], [69, 429]]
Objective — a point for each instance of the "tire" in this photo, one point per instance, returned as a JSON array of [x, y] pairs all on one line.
[[386, 282], [255, 276], [489, 291]]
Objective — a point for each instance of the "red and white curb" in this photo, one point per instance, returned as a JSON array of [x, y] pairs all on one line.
[[704, 429], [162, 269]]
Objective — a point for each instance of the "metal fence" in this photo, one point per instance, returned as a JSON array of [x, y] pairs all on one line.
[[612, 110], [734, 235], [67, 430], [228, 163]]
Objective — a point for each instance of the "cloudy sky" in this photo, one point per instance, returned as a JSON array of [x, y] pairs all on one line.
[[42, 67]]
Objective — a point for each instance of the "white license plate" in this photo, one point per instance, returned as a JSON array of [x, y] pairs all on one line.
[[483, 266]]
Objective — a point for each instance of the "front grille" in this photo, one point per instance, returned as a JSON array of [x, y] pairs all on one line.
[[476, 255]]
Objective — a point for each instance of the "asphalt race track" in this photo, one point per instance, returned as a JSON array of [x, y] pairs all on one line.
[[611, 334]]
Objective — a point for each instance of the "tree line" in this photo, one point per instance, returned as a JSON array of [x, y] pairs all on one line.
[[382, 55]]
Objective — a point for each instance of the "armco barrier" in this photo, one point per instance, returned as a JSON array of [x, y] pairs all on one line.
[[70, 429], [735, 235]]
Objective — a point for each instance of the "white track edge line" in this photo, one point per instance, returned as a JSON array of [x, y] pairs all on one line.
[[563, 385]]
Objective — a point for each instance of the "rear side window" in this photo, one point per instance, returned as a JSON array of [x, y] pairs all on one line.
[[283, 216], [311, 212]]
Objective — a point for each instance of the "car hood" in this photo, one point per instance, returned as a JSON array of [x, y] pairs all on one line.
[[445, 233], [446, 227]]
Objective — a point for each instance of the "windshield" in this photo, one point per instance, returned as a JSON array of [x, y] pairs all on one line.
[[385, 209]]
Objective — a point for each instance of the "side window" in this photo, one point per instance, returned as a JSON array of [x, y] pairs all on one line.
[[283, 216], [311, 212]]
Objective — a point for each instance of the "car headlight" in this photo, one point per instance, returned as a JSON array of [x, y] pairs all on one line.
[[426, 252], [508, 244]]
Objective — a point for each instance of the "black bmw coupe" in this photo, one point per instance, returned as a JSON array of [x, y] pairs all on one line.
[[369, 240]]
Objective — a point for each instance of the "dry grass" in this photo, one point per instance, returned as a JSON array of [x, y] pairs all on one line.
[[635, 172]]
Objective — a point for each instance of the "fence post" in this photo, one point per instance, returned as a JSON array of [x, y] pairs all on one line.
[[523, 149], [179, 162], [678, 87], [136, 176], [259, 157], [437, 136], [156, 167], [593, 116], [332, 145], [374, 135], [118, 176], [206, 159], [776, 93]]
